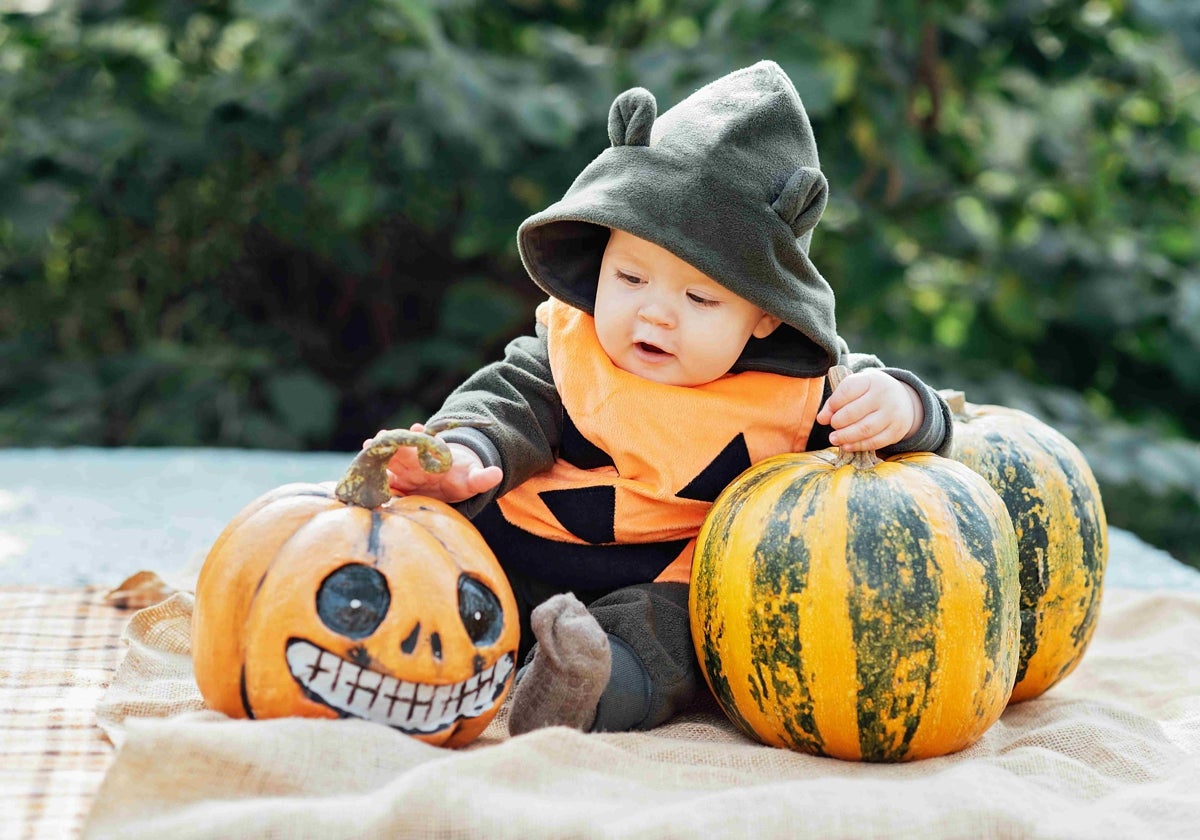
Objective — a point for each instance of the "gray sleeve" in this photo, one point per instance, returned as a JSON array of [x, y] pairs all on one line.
[[936, 431], [517, 397]]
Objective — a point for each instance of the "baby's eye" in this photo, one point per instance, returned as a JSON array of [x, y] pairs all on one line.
[[700, 299], [629, 278]]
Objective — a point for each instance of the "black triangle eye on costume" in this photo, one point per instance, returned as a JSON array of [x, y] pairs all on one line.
[[732, 461], [580, 452], [587, 512]]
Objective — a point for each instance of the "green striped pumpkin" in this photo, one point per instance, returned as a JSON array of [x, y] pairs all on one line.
[[865, 611], [1062, 533]]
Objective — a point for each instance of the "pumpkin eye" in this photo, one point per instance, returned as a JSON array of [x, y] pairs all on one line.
[[480, 611], [353, 600]]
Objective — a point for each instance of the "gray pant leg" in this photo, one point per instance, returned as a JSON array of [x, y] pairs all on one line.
[[654, 670]]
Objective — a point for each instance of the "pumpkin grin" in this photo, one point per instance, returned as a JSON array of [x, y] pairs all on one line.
[[351, 689]]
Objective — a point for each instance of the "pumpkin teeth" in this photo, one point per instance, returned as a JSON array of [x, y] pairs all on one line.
[[413, 708]]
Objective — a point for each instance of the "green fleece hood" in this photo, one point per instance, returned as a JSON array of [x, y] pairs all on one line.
[[728, 180]]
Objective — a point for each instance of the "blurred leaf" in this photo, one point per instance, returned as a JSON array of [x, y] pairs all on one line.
[[259, 430], [267, 9], [1179, 243], [349, 188], [450, 355], [476, 311], [977, 218], [37, 208], [1186, 309], [815, 86], [398, 369], [547, 115], [305, 404], [1014, 310], [850, 21]]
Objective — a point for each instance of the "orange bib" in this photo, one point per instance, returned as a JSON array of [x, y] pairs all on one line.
[[642, 462]]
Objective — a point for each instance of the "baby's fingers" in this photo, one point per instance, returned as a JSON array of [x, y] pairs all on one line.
[[462, 483], [852, 388], [408, 482], [483, 479], [850, 414], [872, 432]]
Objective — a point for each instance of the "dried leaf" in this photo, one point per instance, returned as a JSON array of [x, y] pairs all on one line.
[[140, 590]]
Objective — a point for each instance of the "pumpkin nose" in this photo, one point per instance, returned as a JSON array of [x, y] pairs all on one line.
[[410, 643]]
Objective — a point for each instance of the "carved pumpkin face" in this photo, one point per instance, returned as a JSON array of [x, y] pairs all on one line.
[[398, 614]]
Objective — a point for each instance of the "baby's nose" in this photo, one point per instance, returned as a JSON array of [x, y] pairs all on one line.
[[656, 314]]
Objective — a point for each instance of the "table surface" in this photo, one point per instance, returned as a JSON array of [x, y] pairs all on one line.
[[83, 516]]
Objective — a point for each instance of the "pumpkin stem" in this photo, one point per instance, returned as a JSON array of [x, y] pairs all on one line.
[[365, 483], [956, 400], [863, 460]]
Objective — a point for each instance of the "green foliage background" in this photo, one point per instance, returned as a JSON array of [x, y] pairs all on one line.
[[288, 223]]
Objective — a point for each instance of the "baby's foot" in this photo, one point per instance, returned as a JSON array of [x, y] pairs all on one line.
[[563, 683]]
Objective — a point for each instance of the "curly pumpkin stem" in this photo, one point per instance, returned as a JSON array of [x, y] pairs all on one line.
[[365, 483], [865, 459]]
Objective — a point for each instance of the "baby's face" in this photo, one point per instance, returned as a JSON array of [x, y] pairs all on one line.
[[659, 318]]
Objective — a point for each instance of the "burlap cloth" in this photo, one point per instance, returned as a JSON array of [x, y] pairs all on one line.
[[1113, 751]]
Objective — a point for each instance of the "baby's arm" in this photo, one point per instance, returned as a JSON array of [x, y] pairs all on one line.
[[519, 404]]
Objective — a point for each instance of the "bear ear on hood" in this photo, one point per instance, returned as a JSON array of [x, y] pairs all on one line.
[[802, 200], [631, 117]]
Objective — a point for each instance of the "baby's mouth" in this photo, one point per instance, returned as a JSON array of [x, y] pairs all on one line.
[[647, 347]]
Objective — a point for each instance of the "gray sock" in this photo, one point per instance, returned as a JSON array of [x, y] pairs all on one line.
[[563, 683]]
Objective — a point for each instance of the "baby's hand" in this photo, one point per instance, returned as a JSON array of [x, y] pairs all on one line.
[[466, 477], [871, 410]]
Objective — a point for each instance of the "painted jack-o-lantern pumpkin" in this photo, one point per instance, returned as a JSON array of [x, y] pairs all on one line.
[[348, 602]]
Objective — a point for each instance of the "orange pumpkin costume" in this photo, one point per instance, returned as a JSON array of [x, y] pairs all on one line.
[[626, 473]]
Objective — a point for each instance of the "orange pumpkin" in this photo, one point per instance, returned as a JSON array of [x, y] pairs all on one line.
[[348, 602], [856, 608], [1062, 532]]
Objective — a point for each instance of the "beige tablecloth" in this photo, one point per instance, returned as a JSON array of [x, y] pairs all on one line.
[[1112, 752]]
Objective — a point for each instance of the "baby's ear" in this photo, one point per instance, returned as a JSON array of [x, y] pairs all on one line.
[[802, 200], [631, 117], [766, 325]]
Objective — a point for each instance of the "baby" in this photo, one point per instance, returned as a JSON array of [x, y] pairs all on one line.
[[687, 336]]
